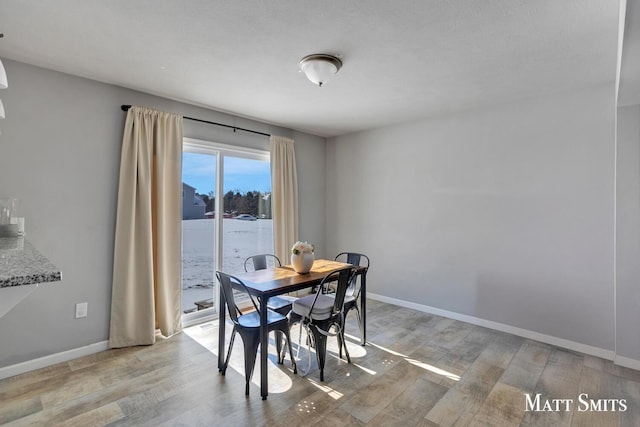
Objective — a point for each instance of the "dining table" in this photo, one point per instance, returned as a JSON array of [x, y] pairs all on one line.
[[267, 283]]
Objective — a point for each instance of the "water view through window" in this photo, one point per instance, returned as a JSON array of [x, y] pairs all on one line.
[[245, 223]]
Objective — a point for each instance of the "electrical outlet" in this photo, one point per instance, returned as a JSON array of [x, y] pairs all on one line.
[[81, 310]]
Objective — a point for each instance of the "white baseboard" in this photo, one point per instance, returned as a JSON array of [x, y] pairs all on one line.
[[43, 362], [627, 362], [525, 333]]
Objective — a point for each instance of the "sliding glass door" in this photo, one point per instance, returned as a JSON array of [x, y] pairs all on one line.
[[199, 176], [218, 233]]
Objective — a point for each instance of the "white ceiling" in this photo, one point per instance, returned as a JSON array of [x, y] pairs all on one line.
[[402, 60]]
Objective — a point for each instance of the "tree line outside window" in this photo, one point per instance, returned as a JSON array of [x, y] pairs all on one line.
[[254, 203]]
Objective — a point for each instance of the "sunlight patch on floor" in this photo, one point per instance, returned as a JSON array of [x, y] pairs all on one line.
[[206, 335], [280, 376], [388, 350], [433, 369], [367, 370], [306, 406], [331, 392], [426, 366]]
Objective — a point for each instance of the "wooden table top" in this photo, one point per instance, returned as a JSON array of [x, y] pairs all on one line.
[[280, 280]]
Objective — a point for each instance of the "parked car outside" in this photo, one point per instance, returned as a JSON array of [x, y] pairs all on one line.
[[246, 217]]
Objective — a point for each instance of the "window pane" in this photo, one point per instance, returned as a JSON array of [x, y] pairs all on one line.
[[247, 226], [198, 232]]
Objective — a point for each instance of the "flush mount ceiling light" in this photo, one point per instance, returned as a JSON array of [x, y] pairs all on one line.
[[319, 67]]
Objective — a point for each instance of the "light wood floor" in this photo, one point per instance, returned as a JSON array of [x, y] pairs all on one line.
[[417, 370]]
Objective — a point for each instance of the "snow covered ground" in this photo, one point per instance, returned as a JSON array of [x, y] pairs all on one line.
[[240, 240]]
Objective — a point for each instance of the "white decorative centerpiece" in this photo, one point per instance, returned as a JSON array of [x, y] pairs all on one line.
[[302, 257]]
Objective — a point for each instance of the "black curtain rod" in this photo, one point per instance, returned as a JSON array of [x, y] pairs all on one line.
[[235, 128]]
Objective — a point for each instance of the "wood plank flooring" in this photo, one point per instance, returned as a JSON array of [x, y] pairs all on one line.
[[417, 370]]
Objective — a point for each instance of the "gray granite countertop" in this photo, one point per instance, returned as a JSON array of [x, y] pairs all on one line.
[[21, 264]]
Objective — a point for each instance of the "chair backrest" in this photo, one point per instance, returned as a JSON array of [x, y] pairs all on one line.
[[343, 277], [354, 258], [227, 284], [261, 262]]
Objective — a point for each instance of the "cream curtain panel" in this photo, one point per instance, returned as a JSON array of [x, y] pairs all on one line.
[[284, 196], [146, 265]]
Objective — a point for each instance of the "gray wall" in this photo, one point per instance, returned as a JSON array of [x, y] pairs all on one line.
[[505, 214], [311, 166], [628, 233], [60, 154]]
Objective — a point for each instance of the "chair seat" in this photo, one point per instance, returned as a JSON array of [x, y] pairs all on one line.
[[348, 299], [321, 310], [279, 303], [252, 320], [349, 302]]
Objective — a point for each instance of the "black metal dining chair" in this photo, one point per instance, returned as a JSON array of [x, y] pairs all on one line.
[[280, 304], [319, 312], [248, 326], [353, 291], [261, 262]]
